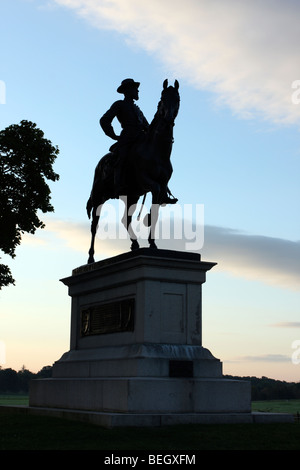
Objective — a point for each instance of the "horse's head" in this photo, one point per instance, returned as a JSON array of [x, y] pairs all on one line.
[[169, 103]]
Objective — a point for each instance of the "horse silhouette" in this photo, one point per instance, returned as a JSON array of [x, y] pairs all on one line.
[[148, 170]]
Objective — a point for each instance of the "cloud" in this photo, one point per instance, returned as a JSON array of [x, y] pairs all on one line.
[[272, 261], [77, 237], [245, 53], [287, 324], [264, 358]]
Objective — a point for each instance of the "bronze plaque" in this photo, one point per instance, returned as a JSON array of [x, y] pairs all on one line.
[[113, 317]]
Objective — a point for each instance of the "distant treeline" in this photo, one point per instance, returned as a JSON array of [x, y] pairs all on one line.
[[18, 382], [270, 389], [262, 388]]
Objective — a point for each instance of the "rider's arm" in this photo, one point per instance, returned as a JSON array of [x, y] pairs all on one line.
[[106, 121]]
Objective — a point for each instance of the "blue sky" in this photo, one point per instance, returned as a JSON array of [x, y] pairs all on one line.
[[236, 153]]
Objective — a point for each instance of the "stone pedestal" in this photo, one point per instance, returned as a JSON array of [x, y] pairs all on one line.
[[136, 354]]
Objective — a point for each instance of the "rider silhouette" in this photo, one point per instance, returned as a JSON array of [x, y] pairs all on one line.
[[133, 123]]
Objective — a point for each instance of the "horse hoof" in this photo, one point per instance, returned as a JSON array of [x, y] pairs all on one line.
[[91, 260], [153, 246], [134, 245]]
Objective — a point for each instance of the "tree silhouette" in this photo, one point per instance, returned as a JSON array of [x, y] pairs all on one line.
[[26, 160]]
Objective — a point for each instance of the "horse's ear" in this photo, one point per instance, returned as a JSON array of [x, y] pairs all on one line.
[[176, 83], [165, 84]]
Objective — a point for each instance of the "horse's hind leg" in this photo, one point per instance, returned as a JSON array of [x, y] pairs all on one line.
[[94, 225], [130, 204]]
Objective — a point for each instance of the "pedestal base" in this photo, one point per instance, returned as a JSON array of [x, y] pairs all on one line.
[[144, 395], [136, 349]]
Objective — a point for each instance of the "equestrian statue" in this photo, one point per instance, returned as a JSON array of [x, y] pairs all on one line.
[[139, 162]]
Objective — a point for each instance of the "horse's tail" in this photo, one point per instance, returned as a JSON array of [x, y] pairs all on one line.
[[103, 170], [89, 206]]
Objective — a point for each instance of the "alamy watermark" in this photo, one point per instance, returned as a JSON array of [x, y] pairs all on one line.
[[183, 223], [296, 94], [296, 353], [2, 92]]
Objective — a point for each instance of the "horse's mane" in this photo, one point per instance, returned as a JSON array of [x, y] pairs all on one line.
[[155, 119], [156, 115]]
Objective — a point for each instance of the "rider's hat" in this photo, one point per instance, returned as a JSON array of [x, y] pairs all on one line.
[[128, 82]]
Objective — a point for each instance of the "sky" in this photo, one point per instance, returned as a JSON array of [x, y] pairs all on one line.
[[236, 161]]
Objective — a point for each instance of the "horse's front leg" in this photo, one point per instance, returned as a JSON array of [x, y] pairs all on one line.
[[153, 218]]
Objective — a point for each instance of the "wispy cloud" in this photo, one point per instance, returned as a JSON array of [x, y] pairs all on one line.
[[246, 53], [263, 358], [287, 324], [269, 260]]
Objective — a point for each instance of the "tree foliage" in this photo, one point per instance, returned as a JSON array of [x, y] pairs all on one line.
[[265, 388], [17, 382], [26, 160]]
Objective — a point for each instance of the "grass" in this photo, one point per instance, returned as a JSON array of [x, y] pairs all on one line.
[[19, 431], [23, 432], [277, 406], [11, 400]]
